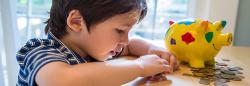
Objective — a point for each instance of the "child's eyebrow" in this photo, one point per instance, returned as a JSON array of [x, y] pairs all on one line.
[[130, 22], [129, 25]]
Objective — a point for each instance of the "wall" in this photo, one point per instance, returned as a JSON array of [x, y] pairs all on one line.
[[1, 54], [242, 33], [215, 10], [9, 39]]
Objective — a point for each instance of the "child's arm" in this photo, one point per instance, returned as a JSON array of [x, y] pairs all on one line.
[[109, 73], [138, 47]]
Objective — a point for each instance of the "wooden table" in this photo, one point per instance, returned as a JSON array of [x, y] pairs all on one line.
[[238, 56]]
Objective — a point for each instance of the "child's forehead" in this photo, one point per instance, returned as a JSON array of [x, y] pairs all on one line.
[[130, 17], [127, 19]]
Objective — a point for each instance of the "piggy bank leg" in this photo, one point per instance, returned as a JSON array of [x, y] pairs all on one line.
[[210, 62], [197, 63]]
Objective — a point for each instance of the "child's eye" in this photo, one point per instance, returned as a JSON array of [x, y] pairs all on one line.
[[120, 31]]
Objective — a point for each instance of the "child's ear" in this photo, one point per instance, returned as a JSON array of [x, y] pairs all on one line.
[[75, 21]]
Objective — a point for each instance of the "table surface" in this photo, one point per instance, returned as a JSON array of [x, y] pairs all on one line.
[[238, 56]]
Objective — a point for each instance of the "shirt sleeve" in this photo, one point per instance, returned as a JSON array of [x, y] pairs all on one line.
[[39, 60]]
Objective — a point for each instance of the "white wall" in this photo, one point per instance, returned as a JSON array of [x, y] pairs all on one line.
[[9, 39], [1, 49], [215, 10], [242, 36]]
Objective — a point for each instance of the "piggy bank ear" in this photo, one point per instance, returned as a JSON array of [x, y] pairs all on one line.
[[203, 26], [171, 22], [219, 25]]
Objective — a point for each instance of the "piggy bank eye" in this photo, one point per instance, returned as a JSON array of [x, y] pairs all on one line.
[[172, 41], [209, 36]]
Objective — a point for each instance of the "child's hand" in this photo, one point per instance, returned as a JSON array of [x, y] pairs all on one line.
[[163, 53], [152, 64]]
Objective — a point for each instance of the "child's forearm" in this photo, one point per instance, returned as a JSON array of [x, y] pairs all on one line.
[[105, 73], [136, 47]]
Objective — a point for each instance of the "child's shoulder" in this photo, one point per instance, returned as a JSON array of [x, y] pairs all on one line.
[[38, 44], [38, 47]]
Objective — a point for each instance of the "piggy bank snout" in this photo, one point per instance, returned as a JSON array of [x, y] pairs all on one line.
[[228, 39], [224, 39]]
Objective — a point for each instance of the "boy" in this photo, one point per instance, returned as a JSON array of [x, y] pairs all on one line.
[[82, 35]]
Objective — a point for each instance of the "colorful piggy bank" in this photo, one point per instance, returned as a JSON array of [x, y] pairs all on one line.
[[196, 41]]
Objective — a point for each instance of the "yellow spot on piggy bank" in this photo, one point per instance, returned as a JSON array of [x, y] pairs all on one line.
[[196, 41]]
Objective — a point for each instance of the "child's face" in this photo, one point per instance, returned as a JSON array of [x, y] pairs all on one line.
[[108, 37]]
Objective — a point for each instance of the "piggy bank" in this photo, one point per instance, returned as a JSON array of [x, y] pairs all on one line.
[[196, 41]]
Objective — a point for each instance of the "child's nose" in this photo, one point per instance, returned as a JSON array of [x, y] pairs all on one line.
[[125, 40]]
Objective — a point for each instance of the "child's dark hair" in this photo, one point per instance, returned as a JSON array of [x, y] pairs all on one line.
[[93, 12]]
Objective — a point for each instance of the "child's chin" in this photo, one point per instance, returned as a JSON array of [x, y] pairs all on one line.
[[104, 58]]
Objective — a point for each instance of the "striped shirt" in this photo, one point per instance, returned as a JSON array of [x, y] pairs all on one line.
[[39, 52]]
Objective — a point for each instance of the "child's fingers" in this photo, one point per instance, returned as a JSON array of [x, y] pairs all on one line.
[[166, 68], [164, 65], [167, 55], [172, 61], [176, 65], [162, 62]]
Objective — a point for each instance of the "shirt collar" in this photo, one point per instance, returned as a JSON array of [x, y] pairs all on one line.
[[65, 50]]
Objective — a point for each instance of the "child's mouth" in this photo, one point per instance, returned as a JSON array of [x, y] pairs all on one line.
[[112, 53], [116, 50]]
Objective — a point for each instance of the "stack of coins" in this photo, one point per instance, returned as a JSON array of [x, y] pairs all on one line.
[[220, 74]]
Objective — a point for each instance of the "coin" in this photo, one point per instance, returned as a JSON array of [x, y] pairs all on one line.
[[221, 64], [225, 60], [204, 81], [220, 84], [220, 74]]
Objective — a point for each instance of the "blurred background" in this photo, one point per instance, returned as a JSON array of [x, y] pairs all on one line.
[[21, 20]]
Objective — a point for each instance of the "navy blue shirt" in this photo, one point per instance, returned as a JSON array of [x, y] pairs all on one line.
[[39, 52]]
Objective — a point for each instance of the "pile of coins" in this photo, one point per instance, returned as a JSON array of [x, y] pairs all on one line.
[[220, 74], [158, 77]]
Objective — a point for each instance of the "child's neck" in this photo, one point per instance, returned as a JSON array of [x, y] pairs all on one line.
[[69, 42]]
